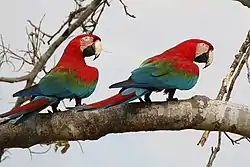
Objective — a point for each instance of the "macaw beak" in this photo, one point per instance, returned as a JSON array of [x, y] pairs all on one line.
[[205, 58], [97, 45]]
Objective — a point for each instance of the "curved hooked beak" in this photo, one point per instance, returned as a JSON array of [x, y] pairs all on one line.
[[205, 58], [98, 48]]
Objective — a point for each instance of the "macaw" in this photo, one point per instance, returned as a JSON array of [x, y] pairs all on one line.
[[173, 69], [71, 78]]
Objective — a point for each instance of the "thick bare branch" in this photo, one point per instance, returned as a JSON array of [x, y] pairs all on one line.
[[199, 113]]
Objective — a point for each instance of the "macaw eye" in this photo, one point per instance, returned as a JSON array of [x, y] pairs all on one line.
[[87, 38]]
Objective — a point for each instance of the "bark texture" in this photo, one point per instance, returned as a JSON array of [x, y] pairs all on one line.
[[198, 112]]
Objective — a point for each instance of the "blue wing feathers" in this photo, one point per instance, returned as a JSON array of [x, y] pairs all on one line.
[[31, 91]]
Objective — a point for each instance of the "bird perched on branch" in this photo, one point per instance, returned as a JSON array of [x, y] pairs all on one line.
[[70, 78], [171, 70]]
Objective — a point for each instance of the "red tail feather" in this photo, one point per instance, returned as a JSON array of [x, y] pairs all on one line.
[[113, 100], [27, 107]]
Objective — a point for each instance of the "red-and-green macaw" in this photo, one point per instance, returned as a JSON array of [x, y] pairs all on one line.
[[70, 78], [173, 69]]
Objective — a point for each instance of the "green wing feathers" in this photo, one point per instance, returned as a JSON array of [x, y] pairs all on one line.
[[166, 74], [65, 83]]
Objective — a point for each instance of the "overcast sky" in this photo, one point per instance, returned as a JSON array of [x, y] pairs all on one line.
[[158, 26]]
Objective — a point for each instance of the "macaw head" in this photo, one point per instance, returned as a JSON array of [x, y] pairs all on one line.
[[198, 50], [87, 44], [204, 52]]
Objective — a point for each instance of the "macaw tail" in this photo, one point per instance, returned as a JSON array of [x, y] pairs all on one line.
[[124, 96], [26, 110]]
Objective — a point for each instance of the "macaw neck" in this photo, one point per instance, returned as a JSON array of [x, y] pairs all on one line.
[[181, 51], [73, 57]]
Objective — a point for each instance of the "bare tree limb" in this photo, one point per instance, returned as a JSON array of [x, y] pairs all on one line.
[[14, 79], [244, 2], [230, 79], [199, 113], [237, 73], [226, 90], [214, 150], [126, 10]]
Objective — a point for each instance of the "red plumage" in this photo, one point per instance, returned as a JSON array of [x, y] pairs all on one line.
[[73, 60], [113, 100], [29, 107]]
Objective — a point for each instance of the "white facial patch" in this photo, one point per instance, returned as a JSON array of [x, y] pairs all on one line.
[[98, 47], [201, 48]]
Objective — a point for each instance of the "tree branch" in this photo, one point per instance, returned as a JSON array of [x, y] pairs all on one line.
[[199, 112], [14, 79], [244, 2]]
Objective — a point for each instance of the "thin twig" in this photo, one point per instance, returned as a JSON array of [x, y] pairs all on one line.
[[71, 16], [126, 10], [214, 150], [39, 28], [80, 146], [232, 141]]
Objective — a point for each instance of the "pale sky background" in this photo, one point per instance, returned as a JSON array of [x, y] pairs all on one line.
[[159, 25]]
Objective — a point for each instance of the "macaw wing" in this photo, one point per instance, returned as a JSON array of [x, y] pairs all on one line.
[[166, 74], [53, 84], [65, 84]]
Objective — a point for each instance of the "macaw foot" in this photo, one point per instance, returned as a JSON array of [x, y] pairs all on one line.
[[54, 108], [170, 93], [54, 111], [172, 99], [141, 100], [50, 112], [147, 97], [83, 104]]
